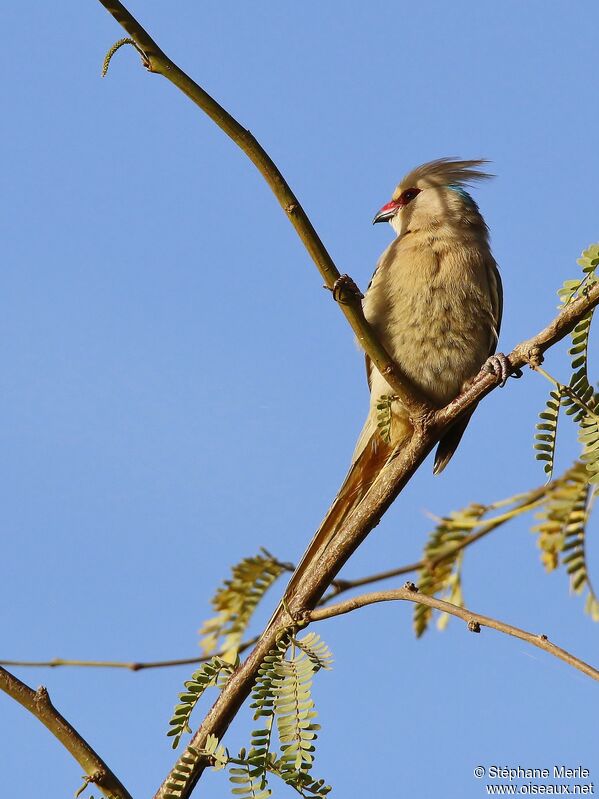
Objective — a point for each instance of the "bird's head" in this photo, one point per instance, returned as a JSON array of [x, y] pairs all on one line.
[[433, 194]]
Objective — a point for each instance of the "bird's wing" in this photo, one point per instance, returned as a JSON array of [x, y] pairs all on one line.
[[449, 443], [496, 296], [368, 364]]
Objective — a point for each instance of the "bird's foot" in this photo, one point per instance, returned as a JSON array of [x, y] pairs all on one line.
[[500, 366], [345, 290]]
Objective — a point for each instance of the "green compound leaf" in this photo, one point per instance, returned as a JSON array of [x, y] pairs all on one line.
[[282, 701], [441, 569], [235, 602], [562, 531], [589, 438], [588, 261], [246, 782], [316, 650], [454, 591], [577, 398], [205, 677], [301, 781], [579, 381], [213, 752], [181, 773], [546, 432]]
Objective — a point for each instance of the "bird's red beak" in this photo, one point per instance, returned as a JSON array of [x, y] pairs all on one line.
[[387, 211]]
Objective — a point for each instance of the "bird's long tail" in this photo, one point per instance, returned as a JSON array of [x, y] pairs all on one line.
[[363, 471]]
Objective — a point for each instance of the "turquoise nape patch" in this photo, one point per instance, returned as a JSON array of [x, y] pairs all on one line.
[[463, 193]]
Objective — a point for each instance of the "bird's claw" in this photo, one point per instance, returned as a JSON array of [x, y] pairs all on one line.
[[499, 366], [345, 289]]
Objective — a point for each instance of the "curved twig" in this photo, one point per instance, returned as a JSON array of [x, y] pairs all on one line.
[[117, 46], [157, 61], [409, 593]]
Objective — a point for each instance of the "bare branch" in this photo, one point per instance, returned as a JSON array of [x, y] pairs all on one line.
[[119, 664], [157, 61], [38, 702], [409, 593]]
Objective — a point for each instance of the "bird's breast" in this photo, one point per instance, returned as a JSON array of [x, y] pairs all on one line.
[[430, 304]]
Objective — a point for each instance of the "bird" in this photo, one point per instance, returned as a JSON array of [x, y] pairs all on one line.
[[435, 301]]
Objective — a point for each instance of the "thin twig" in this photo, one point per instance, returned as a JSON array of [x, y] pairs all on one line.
[[119, 664], [38, 702], [474, 620]]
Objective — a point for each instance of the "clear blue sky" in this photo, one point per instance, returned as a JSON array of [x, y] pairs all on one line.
[[177, 389]]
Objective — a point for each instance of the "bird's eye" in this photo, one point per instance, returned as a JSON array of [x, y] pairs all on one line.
[[408, 195]]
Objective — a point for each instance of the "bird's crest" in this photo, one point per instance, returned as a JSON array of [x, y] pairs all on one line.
[[444, 172]]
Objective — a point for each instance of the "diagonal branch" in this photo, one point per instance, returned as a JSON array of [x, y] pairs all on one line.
[[409, 593], [38, 702], [155, 60]]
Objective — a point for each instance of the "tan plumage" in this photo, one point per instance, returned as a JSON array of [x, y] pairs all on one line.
[[443, 172], [435, 300]]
